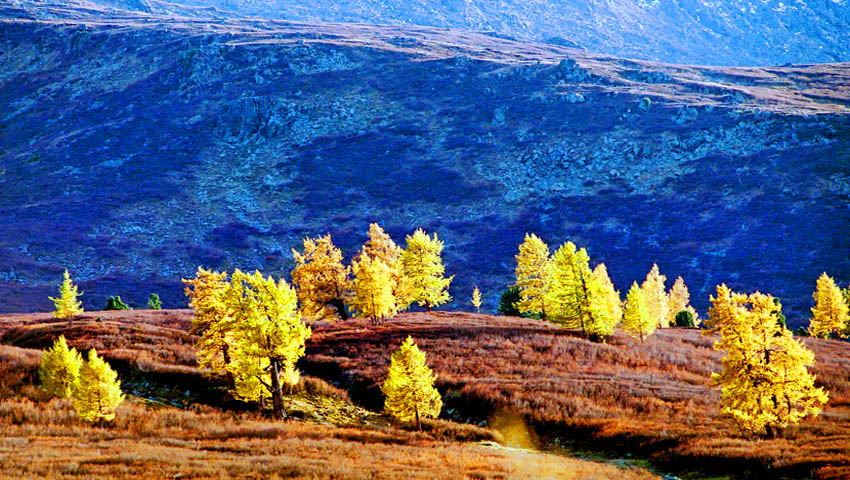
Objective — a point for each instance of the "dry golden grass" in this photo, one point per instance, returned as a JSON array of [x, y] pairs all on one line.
[[42, 438], [651, 398]]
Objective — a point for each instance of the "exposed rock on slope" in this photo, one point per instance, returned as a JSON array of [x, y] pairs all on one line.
[[729, 32]]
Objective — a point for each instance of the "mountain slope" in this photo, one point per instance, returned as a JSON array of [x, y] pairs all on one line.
[[731, 32], [136, 147]]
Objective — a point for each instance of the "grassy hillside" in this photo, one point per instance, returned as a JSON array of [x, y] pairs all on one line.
[[650, 398], [538, 385], [177, 425]]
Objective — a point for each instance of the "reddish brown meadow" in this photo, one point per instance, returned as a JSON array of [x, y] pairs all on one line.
[[43, 438], [539, 384], [649, 399]]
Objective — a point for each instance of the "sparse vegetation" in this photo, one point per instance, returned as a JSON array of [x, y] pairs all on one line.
[[154, 303], [66, 303], [115, 303]]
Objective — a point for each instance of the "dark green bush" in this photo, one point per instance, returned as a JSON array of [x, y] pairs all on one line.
[[684, 319], [154, 303], [801, 332], [780, 318], [115, 303], [507, 302]]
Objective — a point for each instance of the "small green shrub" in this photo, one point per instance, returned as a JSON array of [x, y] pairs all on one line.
[[507, 302], [801, 332], [154, 303], [115, 303], [684, 319]]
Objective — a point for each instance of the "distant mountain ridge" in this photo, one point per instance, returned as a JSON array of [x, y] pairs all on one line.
[[728, 32]]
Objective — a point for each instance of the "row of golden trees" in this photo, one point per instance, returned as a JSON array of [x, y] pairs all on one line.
[[92, 385], [251, 329], [562, 287], [382, 280]]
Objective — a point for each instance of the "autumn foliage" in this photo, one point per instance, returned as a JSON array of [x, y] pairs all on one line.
[[765, 380], [66, 303], [409, 387]]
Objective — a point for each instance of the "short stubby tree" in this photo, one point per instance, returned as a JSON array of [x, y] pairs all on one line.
[[60, 369], [98, 391], [409, 387]]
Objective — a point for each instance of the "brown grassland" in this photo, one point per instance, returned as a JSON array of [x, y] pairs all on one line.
[[650, 399], [43, 438], [539, 384]]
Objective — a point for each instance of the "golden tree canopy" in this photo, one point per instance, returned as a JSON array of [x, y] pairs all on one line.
[[476, 299], [60, 369], [576, 297], [636, 319], [373, 288], [409, 387], [423, 265], [608, 298], [678, 300], [322, 280], [206, 298], [67, 304], [380, 246], [765, 382], [655, 294], [98, 392], [267, 336], [531, 275], [829, 315]]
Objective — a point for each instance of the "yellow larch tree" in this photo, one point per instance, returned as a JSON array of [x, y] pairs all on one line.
[[765, 382], [409, 387], [609, 296], [268, 337], [655, 294], [531, 269], [829, 315], [380, 246], [423, 265], [66, 303], [636, 319], [321, 279], [373, 289], [575, 297], [205, 293], [476, 299], [60, 369], [679, 300], [98, 392]]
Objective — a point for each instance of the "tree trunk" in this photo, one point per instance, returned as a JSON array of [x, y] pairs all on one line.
[[418, 424], [339, 306], [277, 390], [231, 382], [769, 431]]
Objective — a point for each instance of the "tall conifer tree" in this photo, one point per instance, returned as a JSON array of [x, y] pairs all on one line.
[[66, 303], [423, 265], [829, 315], [531, 275]]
